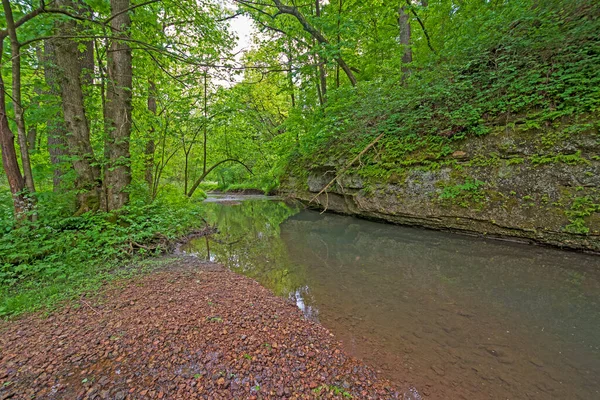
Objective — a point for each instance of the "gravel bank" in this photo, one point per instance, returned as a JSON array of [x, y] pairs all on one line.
[[190, 330]]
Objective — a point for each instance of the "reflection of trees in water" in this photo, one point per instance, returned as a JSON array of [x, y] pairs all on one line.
[[249, 242]]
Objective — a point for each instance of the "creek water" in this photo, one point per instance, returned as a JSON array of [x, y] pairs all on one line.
[[447, 315]]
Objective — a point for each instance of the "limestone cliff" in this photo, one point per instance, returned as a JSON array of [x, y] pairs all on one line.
[[532, 185]]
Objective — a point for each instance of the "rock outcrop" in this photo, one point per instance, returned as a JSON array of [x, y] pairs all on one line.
[[523, 185]]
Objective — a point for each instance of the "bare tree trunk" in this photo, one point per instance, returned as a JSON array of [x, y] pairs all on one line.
[[56, 130], [68, 60], [15, 49], [205, 122], [321, 60], [318, 82], [118, 103], [404, 25], [185, 170], [150, 145], [424, 3], [9, 154], [32, 132]]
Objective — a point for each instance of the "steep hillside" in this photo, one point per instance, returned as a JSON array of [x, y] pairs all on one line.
[[501, 140]]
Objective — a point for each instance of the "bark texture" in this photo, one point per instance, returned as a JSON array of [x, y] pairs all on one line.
[[118, 103], [321, 61], [15, 50], [70, 68], [56, 130], [404, 25], [9, 154]]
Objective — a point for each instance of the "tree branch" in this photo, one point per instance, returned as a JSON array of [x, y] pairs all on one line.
[[412, 9], [208, 171]]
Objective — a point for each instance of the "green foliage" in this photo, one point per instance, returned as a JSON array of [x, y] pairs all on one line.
[[464, 194], [581, 208], [59, 256], [520, 65], [571, 159]]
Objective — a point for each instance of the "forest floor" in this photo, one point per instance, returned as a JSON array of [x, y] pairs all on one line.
[[188, 330]]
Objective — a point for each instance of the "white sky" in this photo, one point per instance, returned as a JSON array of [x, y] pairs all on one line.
[[242, 27]]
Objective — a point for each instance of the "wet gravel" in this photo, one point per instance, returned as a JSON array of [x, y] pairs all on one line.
[[190, 330]]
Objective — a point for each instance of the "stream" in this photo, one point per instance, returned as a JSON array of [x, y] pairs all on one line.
[[451, 316]]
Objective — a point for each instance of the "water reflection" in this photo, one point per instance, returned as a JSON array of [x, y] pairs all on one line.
[[456, 317], [249, 241]]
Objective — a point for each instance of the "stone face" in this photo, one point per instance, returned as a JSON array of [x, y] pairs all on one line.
[[319, 178], [512, 186]]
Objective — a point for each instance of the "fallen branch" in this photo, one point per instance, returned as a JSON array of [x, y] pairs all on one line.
[[88, 304], [347, 166]]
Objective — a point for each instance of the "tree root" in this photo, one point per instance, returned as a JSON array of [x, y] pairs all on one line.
[[324, 190]]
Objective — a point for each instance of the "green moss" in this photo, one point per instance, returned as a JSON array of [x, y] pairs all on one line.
[[468, 193], [491, 160], [515, 161], [581, 208], [571, 159]]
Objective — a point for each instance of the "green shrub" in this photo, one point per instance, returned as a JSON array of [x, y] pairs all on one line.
[[59, 256]]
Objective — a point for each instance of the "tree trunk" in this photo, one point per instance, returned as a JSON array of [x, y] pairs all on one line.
[[32, 132], [205, 133], [15, 49], [291, 10], [118, 103], [68, 60], [404, 25], [290, 75], [321, 60], [150, 145], [56, 130], [9, 154]]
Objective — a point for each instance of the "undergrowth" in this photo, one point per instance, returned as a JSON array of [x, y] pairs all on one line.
[[58, 257], [541, 68]]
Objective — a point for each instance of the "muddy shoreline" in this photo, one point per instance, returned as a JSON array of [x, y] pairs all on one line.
[[188, 330]]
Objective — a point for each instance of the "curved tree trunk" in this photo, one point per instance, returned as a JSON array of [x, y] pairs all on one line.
[[118, 103], [208, 171]]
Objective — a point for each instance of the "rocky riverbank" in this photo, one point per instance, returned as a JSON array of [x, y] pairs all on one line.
[[528, 185], [189, 330]]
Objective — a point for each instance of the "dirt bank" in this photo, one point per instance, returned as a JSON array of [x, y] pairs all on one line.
[[190, 330]]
